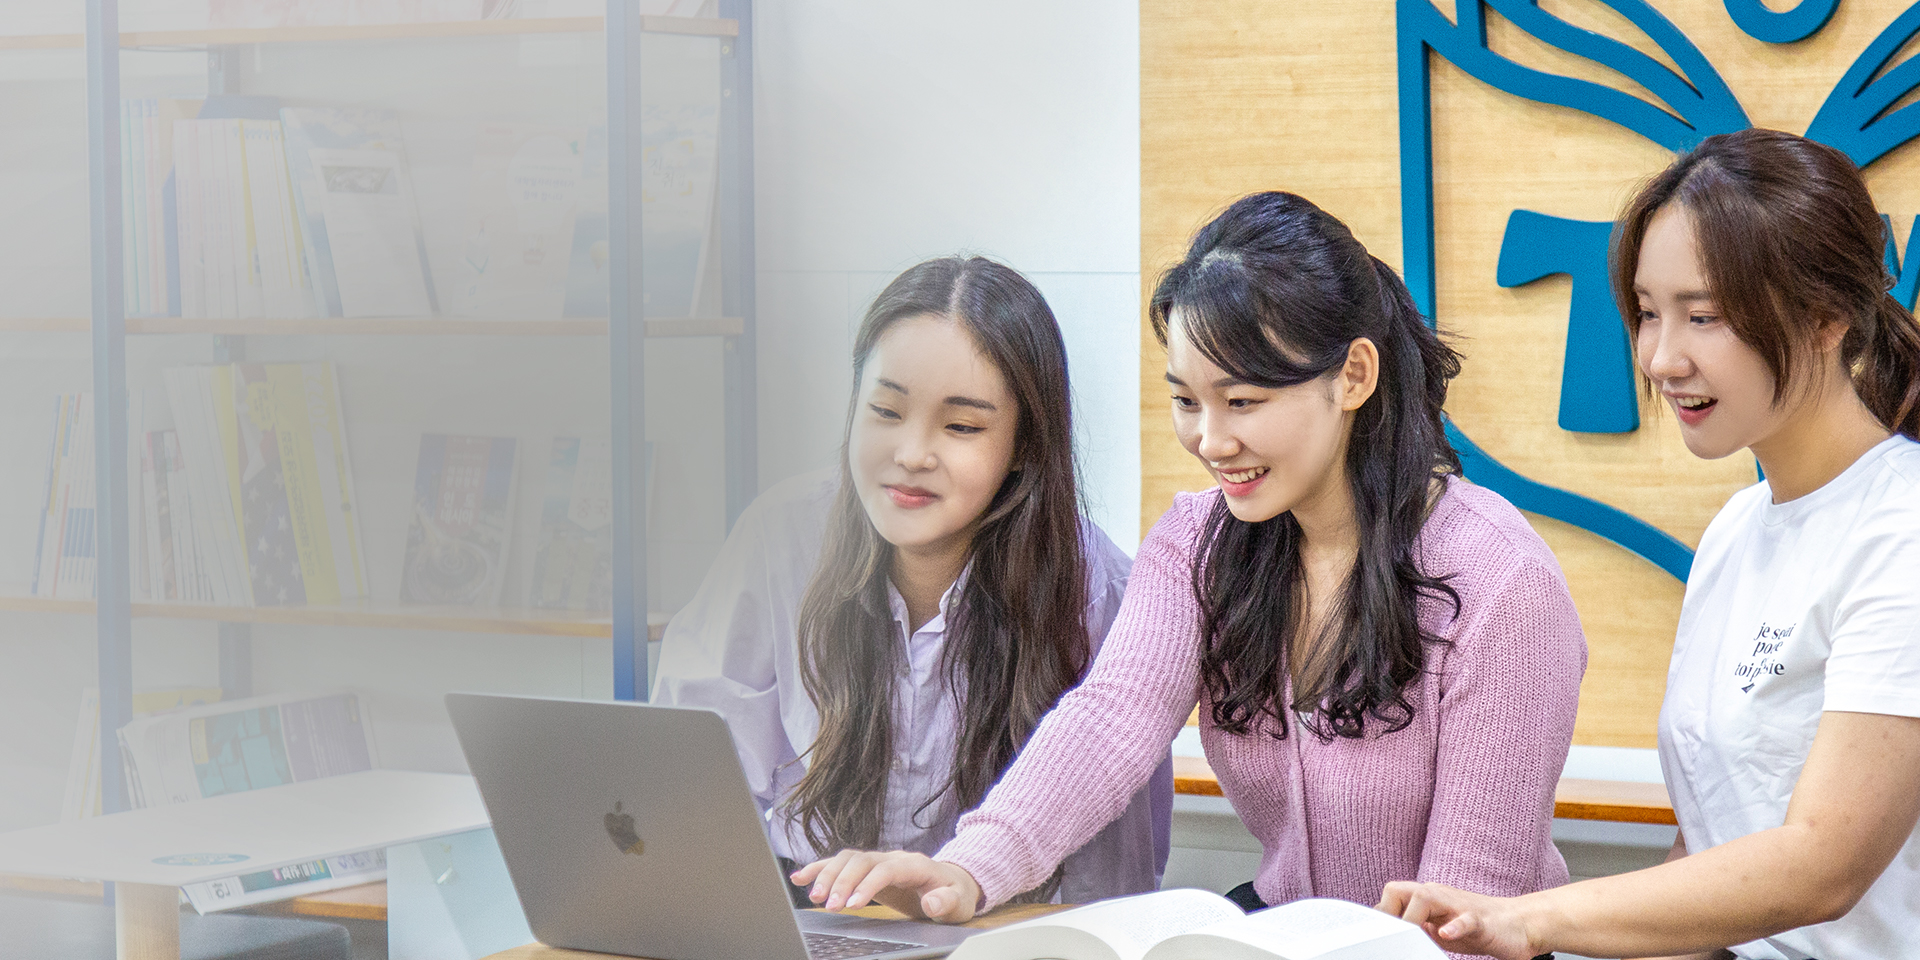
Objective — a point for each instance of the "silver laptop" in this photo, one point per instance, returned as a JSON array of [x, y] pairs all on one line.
[[629, 829]]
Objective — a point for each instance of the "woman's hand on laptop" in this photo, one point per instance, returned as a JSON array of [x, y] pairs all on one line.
[[911, 883]]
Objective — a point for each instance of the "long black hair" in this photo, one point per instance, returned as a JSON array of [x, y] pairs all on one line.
[[1274, 291], [1016, 637]]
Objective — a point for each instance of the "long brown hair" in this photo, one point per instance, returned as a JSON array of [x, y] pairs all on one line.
[[1789, 240], [1016, 636]]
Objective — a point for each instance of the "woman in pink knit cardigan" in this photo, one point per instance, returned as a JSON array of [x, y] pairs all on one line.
[[1385, 657]]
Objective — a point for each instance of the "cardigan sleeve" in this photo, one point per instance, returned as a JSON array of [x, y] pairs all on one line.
[[1509, 689], [1106, 737]]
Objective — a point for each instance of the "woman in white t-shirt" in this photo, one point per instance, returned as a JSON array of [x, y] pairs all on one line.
[[1751, 274]]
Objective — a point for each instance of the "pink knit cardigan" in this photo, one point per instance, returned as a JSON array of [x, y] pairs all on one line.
[[1463, 795]]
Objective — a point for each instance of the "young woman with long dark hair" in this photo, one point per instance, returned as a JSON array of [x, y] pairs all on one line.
[[1385, 657], [1751, 274], [883, 639]]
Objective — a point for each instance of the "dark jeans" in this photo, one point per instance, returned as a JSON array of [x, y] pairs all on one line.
[[1244, 898]]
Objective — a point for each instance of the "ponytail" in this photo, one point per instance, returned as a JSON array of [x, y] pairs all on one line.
[[1885, 360]]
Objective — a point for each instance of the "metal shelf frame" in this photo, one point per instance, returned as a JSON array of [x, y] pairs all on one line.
[[626, 330]]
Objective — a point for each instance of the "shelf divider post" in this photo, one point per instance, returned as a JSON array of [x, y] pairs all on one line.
[[627, 344], [113, 573], [739, 370]]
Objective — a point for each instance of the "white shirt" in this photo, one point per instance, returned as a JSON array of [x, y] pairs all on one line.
[[1794, 609], [734, 649]]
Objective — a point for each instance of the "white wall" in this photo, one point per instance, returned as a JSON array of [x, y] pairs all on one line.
[[887, 133]]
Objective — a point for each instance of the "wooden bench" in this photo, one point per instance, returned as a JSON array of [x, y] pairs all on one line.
[[367, 901], [1612, 800]]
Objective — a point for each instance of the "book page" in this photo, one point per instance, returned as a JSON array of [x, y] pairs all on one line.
[[1129, 925], [1318, 929]]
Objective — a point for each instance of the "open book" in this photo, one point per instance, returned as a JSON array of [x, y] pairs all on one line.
[[1197, 925]]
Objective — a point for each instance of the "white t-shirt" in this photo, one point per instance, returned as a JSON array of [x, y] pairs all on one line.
[[1793, 609]]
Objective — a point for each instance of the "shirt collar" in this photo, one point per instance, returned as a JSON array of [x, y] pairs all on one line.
[[938, 625]]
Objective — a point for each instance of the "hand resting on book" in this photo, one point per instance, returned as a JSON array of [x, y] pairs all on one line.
[[911, 883], [1460, 921]]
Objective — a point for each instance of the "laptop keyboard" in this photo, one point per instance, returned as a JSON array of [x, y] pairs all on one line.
[[827, 946]]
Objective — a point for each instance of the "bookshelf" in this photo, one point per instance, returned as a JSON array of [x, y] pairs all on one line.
[[382, 327], [527, 621], [122, 349], [350, 33]]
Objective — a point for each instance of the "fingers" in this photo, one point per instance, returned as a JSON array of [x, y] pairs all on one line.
[[1394, 898], [1463, 927], [852, 879], [822, 876], [908, 882], [956, 897], [1424, 905]]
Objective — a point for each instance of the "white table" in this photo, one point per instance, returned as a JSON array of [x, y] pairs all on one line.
[[150, 854]]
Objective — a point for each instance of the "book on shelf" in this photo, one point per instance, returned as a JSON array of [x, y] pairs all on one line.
[[239, 248], [82, 796], [1177, 924], [240, 745], [257, 488], [259, 14], [462, 521], [679, 168], [589, 282], [358, 215], [514, 253], [573, 565], [66, 564]]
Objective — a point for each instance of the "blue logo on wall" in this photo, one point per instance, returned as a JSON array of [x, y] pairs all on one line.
[[1597, 388], [199, 859]]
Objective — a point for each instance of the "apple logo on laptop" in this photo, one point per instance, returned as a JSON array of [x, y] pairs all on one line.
[[620, 828]]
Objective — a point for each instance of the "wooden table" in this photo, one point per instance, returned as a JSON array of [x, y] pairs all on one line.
[[1013, 913]]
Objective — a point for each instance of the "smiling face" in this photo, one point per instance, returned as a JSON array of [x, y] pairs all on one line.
[[933, 435], [1271, 449], [1719, 387]]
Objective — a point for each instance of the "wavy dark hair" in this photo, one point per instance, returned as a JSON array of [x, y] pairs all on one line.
[[1789, 240], [1016, 636], [1274, 291]]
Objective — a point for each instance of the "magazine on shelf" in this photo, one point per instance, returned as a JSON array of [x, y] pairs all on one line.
[[358, 215], [1180, 924], [82, 796], [513, 255], [238, 745], [573, 565], [259, 743], [462, 520], [65, 565], [679, 165], [589, 290], [257, 489], [236, 250], [151, 249]]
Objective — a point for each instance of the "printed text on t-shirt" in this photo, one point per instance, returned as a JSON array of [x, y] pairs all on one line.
[[1761, 660]]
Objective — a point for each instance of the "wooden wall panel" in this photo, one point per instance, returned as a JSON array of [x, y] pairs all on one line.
[[1246, 95]]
